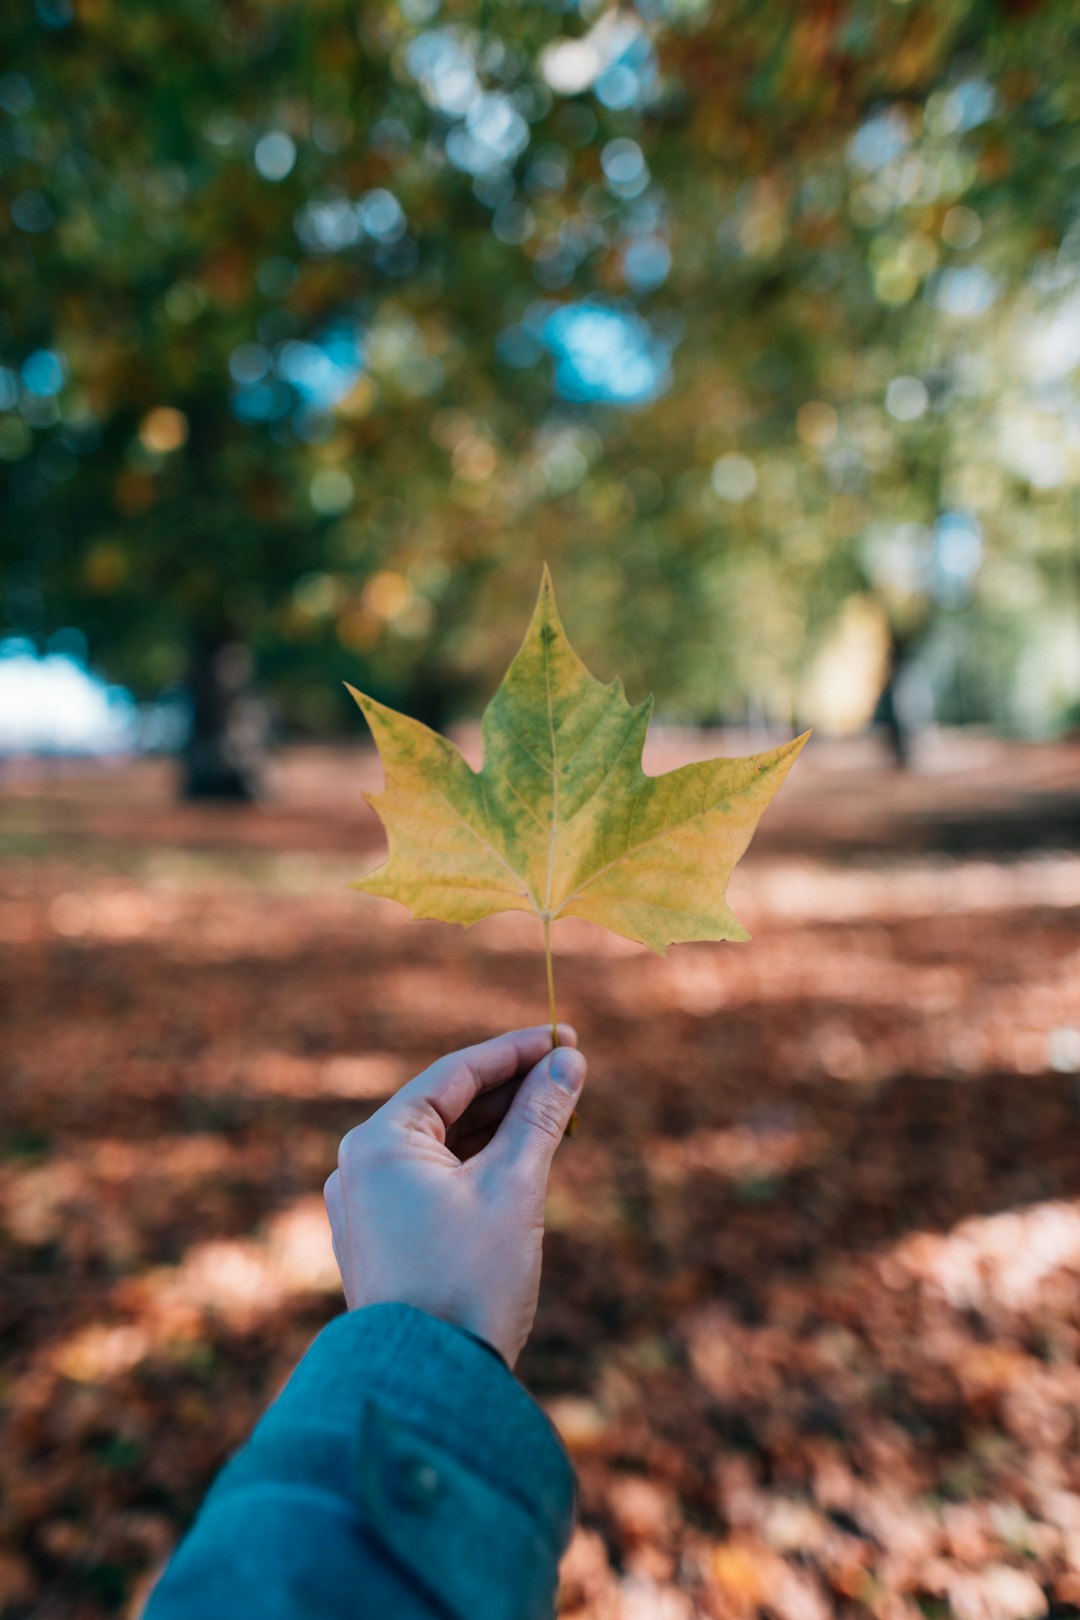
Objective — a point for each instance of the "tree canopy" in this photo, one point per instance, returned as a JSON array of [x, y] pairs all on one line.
[[325, 325]]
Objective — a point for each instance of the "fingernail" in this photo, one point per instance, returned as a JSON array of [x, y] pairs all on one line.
[[566, 1067]]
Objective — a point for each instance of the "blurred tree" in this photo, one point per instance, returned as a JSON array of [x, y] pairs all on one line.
[[324, 324]]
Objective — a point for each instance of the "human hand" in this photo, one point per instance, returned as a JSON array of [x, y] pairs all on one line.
[[438, 1198]]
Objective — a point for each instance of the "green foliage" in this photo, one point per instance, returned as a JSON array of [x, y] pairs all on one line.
[[848, 232]]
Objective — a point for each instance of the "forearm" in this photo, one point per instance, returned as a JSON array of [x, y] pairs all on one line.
[[402, 1471]]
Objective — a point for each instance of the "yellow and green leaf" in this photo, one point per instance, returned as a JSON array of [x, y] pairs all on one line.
[[562, 821]]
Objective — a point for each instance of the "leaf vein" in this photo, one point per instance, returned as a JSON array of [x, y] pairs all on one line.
[[486, 842]]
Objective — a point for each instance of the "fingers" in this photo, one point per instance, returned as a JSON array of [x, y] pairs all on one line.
[[481, 1119], [537, 1118], [472, 1134], [438, 1097]]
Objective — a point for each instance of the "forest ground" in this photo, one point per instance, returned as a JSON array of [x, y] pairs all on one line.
[[810, 1322]]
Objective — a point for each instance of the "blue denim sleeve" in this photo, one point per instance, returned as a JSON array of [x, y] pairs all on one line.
[[402, 1474]]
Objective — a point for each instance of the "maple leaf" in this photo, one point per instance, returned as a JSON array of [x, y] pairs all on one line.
[[562, 821]]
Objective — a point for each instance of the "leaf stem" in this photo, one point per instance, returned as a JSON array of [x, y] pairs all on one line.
[[575, 1120], [550, 982]]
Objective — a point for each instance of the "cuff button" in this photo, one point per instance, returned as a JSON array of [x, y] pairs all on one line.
[[418, 1483]]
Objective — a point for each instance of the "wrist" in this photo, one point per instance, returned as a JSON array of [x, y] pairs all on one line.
[[361, 1300], [486, 1344]]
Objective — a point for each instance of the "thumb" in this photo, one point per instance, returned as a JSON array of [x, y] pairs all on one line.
[[537, 1118]]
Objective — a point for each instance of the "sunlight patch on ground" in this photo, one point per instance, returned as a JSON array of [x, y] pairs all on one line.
[[370, 1076], [1004, 1261], [747, 1152], [237, 1282], [801, 891], [185, 903], [89, 1188]]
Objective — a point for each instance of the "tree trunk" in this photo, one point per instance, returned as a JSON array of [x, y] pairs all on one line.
[[223, 755]]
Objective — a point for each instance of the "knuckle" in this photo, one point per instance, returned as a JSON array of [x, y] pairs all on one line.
[[545, 1115], [472, 1062], [365, 1149], [419, 1114], [353, 1147]]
